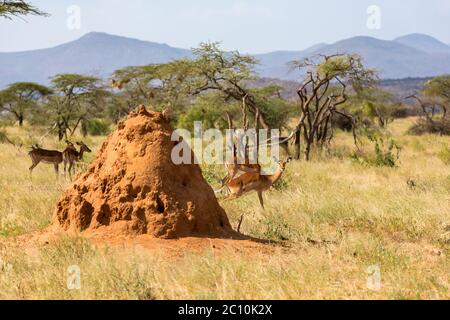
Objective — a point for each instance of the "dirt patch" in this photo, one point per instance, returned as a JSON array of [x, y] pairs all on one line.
[[133, 188], [178, 248], [32, 243]]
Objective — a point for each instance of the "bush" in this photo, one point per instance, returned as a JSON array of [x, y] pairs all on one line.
[[213, 174], [425, 126], [386, 153], [210, 118], [4, 138], [98, 127], [342, 123], [281, 184], [277, 112], [402, 111], [208, 109], [277, 229]]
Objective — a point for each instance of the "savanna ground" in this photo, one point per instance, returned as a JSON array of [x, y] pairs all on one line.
[[330, 220]]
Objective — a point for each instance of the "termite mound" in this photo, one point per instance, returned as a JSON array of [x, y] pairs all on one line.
[[134, 188]]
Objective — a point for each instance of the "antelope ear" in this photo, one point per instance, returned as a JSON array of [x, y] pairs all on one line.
[[80, 143], [289, 160]]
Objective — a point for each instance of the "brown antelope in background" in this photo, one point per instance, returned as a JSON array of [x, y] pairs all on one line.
[[71, 156], [39, 155]]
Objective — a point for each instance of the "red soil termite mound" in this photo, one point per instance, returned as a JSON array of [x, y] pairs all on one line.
[[134, 188]]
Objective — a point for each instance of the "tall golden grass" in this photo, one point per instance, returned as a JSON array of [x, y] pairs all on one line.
[[334, 217]]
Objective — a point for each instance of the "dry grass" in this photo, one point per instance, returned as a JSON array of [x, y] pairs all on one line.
[[335, 217]]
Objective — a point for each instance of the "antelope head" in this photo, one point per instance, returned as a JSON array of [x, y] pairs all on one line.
[[83, 148], [282, 164]]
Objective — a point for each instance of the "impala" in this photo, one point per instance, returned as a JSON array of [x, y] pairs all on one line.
[[72, 156], [39, 155], [255, 182], [233, 169]]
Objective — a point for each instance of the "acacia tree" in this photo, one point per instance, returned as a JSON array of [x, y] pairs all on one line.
[[439, 90], [159, 84], [19, 98], [17, 8], [77, 98], [134, 84], [227, 73], [321, 94], [178, 83]]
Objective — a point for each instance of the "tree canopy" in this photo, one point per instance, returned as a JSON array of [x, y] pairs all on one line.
[[323, 91], [19, 98], [18, 8], [77, 98], [439, 88]]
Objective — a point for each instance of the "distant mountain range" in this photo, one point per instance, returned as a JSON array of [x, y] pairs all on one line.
[[414, 55], [411, 56]]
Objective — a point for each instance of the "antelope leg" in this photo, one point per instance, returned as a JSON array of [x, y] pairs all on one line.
[[240, 224], [261, 199], [56, 166]]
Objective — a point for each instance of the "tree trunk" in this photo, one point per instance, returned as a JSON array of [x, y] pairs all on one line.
[[61, 131], [84, 128], [298, 137], [309, 141], [308, 152]]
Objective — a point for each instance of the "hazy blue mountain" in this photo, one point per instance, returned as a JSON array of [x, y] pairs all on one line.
[[95, 53], [100, 54], [391, 58], [315, 48], [423, 42], [276, 64]]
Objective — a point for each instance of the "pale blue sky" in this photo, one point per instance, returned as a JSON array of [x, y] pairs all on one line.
[[252, 26]]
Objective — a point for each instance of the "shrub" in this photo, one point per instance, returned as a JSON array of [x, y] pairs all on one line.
[[5, 139], [402, 111], [425, 126], [281, 184], [278, 229], [386, 153], [210, 118], [98, 127], [342, 123]]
